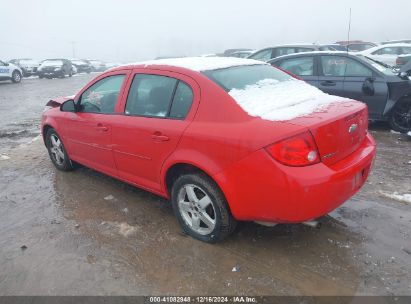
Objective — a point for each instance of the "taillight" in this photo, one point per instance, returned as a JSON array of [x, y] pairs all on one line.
[[297, 151], [399, 61]]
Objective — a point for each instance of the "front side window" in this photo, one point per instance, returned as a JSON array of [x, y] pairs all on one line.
[[302, 66], [102, 96], [342, 66], [158, 96], [263, 55]]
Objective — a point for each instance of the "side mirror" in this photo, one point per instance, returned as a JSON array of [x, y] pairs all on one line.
[[68, 106]]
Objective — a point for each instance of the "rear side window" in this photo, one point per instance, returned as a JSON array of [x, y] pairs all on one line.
[[302, 66], [182, 100], [102, 96], [158, 96]]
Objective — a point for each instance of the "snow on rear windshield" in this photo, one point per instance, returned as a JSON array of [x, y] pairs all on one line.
[[276, 100], [239, 77]]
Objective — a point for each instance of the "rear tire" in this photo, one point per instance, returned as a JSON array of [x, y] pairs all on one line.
[[57, 152], [16, 76], [201, 208], [400, 119]]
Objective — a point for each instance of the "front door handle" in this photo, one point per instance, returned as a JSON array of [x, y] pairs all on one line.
[[101, 127], [328, 83], [157, 136]]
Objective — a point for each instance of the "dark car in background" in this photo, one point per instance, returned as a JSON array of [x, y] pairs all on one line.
[[82, 66], [387, 95], [269, 53], [356, 45], [28, 66], [52, 68]]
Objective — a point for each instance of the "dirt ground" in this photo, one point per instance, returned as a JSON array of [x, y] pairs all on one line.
[[83, 233]]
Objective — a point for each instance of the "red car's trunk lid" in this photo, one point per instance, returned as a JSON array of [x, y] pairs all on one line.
[[338, 130]]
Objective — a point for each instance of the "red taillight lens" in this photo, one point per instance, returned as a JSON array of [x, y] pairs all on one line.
[[296, 151], [399, 61]]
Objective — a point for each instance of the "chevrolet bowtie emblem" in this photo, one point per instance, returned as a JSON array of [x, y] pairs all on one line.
[[352, 128]]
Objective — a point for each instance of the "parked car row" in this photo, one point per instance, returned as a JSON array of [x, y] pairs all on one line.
[[387, 53], [50, 68]]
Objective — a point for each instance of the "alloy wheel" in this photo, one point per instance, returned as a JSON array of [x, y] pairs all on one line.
[[56, 149], [197, 209]]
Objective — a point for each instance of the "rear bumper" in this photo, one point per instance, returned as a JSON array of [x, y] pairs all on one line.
[[260, 189]]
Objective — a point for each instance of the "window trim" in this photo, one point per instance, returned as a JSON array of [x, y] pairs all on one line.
[[170, 102]]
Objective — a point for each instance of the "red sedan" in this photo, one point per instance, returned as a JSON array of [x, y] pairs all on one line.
[[225, 139]]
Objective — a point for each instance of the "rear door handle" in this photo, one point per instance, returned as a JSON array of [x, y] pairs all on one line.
[[157, 136], [328, 83], [101, 127]]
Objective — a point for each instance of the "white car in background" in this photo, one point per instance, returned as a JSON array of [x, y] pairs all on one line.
[[9, 71], [387, 53]]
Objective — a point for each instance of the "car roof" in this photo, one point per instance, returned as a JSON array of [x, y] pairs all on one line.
[[197, 64], [311, 53]]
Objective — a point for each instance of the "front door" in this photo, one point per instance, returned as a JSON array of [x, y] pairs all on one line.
[[362, 84], [89, 130], [156, 113]]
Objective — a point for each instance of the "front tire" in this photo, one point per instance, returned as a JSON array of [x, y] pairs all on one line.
[[16, 76], [400, 119], [57, 152], [201, 208]]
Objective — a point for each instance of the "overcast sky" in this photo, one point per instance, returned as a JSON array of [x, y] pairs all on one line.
[[127, 30]]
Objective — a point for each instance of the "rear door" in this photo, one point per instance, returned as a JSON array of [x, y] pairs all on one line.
[[89, 130], [331, 74], [302, 66], [157, 109]]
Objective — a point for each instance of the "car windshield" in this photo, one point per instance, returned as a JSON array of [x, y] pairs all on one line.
[[239, 77], [78, 62], [377, 65], [52, 62], [28, 61]]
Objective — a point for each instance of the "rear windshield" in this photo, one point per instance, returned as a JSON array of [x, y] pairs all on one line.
[[239, 77]]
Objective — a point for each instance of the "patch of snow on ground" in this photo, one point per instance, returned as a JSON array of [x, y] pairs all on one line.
[[4, 157], [202, 63], [285, 100], [405, 198]]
